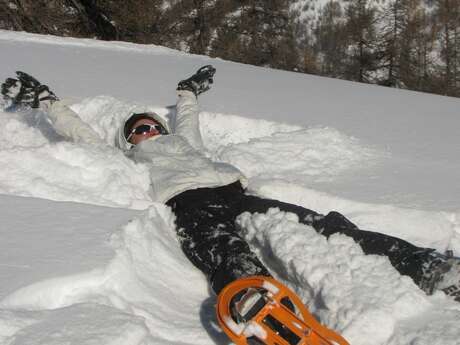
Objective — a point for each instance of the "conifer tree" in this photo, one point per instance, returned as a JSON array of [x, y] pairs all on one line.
[[360, 18], [258, 32], [331, 40], [447, 17]]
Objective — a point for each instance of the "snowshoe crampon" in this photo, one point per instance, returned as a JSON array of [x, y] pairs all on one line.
[[281, 320]]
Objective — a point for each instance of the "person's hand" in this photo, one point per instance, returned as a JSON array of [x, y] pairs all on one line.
[[200, 81], [10, 89], [26, 91]]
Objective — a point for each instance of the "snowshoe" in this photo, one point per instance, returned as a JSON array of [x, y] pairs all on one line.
[[261, 310]]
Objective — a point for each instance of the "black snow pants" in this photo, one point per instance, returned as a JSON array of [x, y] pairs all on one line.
[[205, 220]]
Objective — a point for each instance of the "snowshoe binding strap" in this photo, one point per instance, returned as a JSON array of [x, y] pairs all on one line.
[[274, 323]]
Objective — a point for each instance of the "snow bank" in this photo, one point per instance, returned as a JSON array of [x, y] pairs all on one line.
[[40, 164], [133, 299], [362, 296], [137, 297], [307, 154], [84, 324], [440, 230]]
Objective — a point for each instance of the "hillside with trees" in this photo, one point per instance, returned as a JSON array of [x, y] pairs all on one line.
[[412, 44]]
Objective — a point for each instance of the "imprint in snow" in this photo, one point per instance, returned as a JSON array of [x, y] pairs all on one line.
[[319, 152]]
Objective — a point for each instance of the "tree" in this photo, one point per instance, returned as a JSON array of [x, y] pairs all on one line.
[[190, 24], [331, 40], [447, 16], [58, 17], [417, 48], [360, 19], [257, 32]]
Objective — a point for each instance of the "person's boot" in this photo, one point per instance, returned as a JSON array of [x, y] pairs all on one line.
[[247, 304], [443, 275]]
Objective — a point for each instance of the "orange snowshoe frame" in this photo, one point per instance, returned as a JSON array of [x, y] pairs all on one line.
[[292, 329]]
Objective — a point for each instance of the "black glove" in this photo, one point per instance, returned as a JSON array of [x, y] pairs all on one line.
[[26, 91], [199, 82]]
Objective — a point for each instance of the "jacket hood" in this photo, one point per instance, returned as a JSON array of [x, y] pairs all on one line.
[[120, 139]]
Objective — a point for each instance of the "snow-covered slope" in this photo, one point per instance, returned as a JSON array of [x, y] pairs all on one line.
[[417, 132], [87, 257]]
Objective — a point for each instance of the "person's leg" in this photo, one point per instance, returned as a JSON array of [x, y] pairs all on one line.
[[405, 257], [205, 220]]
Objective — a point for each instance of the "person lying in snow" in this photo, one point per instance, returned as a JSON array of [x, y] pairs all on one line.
[[207, 197]]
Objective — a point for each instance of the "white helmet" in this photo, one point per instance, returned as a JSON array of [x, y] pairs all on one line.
[[123, 131]]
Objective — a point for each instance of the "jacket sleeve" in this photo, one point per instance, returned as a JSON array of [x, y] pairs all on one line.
[[68, 124], [187, 119]]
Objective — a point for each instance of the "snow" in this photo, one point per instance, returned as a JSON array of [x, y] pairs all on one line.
[[270, 287], [336, 274], [86, 257], [254, 329], [233, 326]]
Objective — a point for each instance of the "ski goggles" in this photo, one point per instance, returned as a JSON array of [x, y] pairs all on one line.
[[146, 128]]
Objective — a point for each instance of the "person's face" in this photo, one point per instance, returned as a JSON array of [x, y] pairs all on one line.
[[142, 133]]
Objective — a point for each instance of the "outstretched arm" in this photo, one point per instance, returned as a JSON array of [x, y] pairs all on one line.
[[187, 121], [28, 92], [187, 118], [68, 124]]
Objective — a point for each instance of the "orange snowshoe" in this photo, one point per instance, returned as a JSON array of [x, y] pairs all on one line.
[[261, 310]]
